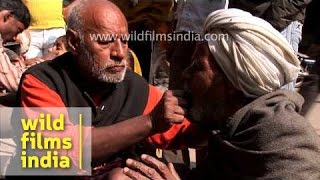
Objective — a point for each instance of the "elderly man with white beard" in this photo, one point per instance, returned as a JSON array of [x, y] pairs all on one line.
[[236, 86], [126, 110]]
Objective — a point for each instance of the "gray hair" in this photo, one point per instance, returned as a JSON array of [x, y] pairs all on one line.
[[75, 19]]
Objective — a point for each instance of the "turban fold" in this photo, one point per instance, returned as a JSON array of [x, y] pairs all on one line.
[[254, 56]]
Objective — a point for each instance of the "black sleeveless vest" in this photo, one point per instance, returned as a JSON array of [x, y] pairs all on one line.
[[119, 101]]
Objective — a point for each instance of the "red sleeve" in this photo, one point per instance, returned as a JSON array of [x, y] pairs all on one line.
[[155, 96], [35, 93], [174, 137]]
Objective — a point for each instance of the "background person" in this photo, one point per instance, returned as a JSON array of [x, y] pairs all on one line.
[[47, 24], [15, 17], [287, 16]]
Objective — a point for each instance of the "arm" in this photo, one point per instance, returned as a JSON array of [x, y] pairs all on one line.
[[9, 73], [178, 136], [33, 61], [115, 137], [119, 136], [165, 114]]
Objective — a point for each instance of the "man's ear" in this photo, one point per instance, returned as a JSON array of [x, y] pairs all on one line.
[[73, 41]]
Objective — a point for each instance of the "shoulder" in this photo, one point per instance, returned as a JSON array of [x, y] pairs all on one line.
[[135, 82], [52, 73], [274, 128], [57, 64], [274, 121]]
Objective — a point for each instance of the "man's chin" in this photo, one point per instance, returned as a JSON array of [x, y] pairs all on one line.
[[111, 77], [202, 116]]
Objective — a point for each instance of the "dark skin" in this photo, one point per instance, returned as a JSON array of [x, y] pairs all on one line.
[[98, 15]]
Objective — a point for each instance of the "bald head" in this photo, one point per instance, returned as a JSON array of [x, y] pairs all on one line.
[[95, 14]]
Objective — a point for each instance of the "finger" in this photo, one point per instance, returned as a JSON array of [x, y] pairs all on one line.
[[180, 111], [144, 169], [173, 171], [134, 174], [175, 119], [175, 101], [175, 96], [158, 165]]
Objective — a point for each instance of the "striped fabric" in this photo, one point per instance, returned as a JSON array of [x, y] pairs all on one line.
[[10, 72]]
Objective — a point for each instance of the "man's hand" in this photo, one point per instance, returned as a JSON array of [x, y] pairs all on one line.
[[150, 168], [170, 110], [33, 61]]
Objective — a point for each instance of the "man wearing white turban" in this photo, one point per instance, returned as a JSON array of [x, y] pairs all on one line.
[[253, 55], [255, 129]]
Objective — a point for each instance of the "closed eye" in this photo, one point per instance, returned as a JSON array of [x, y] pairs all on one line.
[[124, 40], [105, 42]]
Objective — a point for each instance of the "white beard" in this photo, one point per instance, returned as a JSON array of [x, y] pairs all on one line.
[[100, 73], [105, 76], [209, 115]]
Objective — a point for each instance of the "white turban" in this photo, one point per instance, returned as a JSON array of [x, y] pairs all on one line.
[[254, 56]]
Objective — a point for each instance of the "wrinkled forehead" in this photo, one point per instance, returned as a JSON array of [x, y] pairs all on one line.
[[98, 20]]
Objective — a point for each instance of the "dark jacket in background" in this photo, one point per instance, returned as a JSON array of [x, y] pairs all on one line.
[[311, 28], [279, 13]]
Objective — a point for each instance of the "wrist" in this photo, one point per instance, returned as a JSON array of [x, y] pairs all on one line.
[[149, 119]]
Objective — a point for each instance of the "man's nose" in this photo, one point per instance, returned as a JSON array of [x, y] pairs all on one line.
[[118, 50]]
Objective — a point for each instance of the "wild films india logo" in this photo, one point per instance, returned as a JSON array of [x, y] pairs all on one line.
[[51, 145], [54, 141]]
